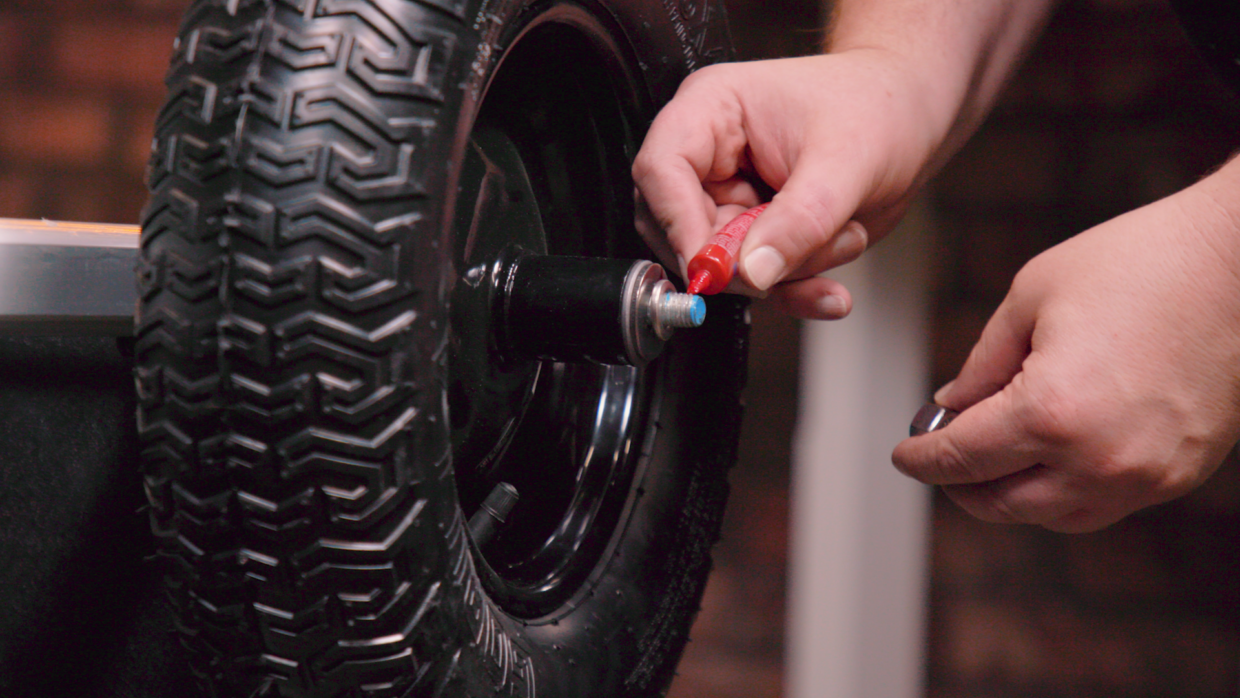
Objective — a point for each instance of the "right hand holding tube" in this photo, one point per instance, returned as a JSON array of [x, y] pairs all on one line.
[[842, 138]]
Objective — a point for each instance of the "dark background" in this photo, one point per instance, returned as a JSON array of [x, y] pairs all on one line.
[[1113, 110]]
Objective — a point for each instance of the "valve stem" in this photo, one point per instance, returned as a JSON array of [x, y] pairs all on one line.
[[493, 513]]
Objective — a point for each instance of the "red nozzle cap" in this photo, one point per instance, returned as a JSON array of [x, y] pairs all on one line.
[[700, 281], [713, 266], [711, 269]]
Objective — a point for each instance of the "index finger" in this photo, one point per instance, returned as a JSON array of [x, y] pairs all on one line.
[[676, 198], [684, 154]]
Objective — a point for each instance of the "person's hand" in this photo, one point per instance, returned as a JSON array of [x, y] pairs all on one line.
[[1109, 378], [843, 138]]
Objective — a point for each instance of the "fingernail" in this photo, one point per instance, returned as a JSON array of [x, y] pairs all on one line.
[[941, 394], [832, 306], [683, 268], [764, 266], [849, 244]]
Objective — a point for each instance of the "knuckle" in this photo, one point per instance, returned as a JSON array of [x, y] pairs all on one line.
[[1021, 279], [983, 503], [1081, 520], [946, 462], [644, 165], [997, 509], [815, 222], [956, 463], [705, 76], [1052, 414], [1028, 276], [1140, 474], [1172, 482]]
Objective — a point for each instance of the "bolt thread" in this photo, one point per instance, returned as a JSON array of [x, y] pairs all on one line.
[[682, 310]]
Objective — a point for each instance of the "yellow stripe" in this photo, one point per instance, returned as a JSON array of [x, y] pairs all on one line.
[[66, 227]]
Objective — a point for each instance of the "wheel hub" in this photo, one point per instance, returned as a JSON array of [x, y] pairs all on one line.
[[545, 173]]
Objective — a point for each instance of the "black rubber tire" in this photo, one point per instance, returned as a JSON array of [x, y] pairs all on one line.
[[290, 365]]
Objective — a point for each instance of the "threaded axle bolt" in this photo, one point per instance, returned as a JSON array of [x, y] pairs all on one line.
[[682, 310], [667, 309]]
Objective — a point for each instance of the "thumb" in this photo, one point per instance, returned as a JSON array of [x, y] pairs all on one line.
[[803, 219], [986, 441], [996, 358]]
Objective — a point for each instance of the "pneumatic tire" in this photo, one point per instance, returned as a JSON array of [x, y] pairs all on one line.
[[321, 407]]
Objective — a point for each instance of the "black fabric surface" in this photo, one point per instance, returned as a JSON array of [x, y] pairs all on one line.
[[81, 609]]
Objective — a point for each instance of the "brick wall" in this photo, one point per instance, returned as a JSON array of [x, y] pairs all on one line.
[[80, 82]]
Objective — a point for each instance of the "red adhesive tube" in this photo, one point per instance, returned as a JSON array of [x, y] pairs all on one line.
[[712, 268]]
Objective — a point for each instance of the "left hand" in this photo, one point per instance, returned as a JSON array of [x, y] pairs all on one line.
[[1109, 378]]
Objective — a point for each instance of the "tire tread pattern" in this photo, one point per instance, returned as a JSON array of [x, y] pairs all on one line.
[[290, 368], [287, 336]]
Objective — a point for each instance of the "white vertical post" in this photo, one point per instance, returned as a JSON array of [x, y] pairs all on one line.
[[860, 530]]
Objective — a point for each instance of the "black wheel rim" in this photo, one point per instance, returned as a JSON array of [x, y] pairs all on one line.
[[546, 172]]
